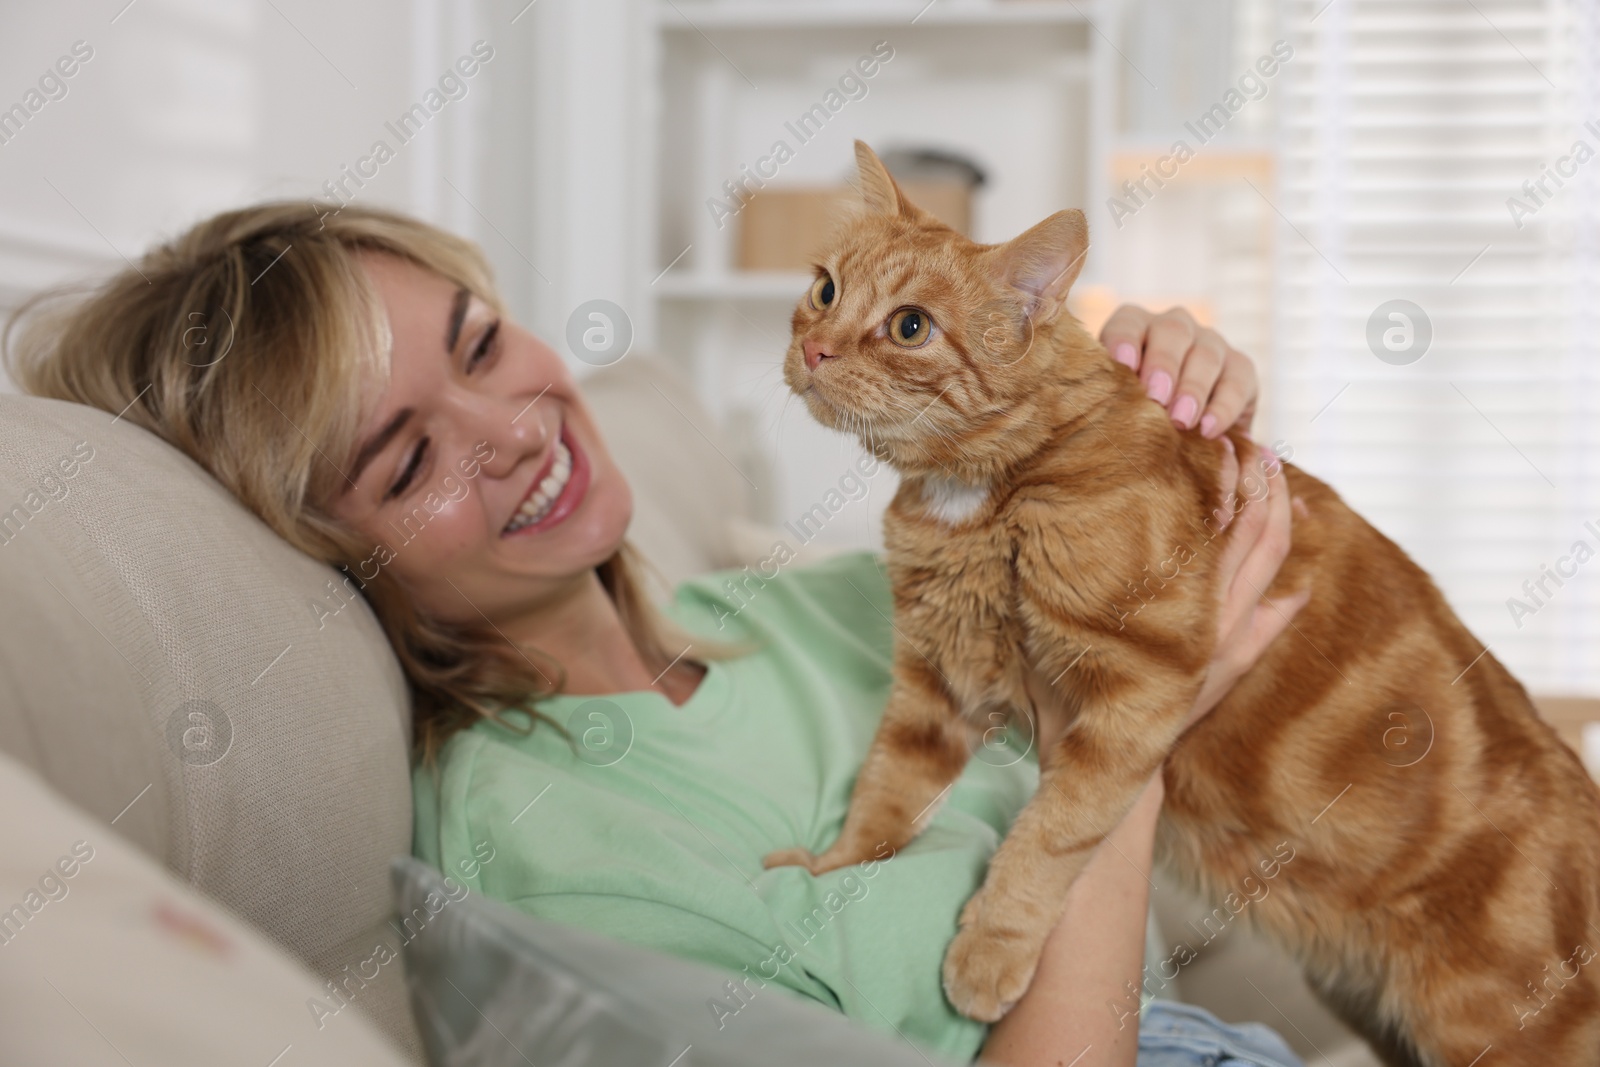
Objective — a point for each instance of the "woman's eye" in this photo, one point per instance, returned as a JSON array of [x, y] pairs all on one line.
[[823, 291], [485, 346], [404, 481], [910, 327]]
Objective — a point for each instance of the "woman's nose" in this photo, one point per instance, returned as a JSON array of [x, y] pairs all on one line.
[[515, 430]]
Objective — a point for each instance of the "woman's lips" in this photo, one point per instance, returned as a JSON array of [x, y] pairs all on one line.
[[571, 495]]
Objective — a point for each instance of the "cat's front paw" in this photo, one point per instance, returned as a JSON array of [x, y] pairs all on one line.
[[987, 969], [839, 855], [789, 857]]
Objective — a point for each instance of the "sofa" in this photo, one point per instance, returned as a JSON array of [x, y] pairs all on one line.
[[184, 685], [174, 671]]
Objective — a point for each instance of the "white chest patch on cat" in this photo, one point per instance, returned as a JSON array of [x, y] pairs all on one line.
[[950, 501]]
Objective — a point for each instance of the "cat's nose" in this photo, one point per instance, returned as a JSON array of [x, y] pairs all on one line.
[[814, 353]]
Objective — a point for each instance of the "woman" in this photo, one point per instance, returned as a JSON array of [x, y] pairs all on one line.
[[347, 373]]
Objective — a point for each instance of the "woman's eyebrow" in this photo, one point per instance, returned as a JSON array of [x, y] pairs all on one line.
[[458, 312], [375, 445]]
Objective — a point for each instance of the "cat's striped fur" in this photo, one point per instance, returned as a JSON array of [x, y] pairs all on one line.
[[1049, 516]]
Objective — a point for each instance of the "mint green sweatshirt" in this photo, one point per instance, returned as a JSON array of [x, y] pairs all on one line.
[[650, 827]]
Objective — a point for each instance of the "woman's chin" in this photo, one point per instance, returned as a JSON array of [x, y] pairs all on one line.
[[604, 536]]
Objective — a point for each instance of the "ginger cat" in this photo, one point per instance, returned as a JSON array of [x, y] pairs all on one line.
[[1443, 904]]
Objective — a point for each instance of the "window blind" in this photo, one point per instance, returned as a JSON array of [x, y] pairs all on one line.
[[1428, 153]]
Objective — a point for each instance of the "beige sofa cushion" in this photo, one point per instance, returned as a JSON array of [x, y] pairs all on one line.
[[688, 496], [137, 960], [162, 666]]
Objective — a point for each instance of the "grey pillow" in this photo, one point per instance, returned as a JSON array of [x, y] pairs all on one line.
[[494, 987]]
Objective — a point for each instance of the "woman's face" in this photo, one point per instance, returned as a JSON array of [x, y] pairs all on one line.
[[481, 477]]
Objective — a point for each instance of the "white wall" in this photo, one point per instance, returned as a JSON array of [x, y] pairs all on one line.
[[188, 107]]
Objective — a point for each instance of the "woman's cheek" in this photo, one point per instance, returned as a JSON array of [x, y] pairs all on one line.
[[459, 527], [453, 529]]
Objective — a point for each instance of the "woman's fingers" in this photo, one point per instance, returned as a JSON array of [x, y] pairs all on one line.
[[1198, 377], [1123, 334], [1270, 540], [1270, 618], [1230, 483], [1232, 397], [1247, 620], [1243, 498], [1249, 507], [1271, 548], [1167, 342], [1185, 367]]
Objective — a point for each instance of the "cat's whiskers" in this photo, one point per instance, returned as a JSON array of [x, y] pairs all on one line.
[[869, 431], [930, 425], [902, 414], [910, 414], [772, 390], [760, 379], [777, 427], [905, 407]]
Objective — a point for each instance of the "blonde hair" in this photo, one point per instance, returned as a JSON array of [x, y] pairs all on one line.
[[250, 343]]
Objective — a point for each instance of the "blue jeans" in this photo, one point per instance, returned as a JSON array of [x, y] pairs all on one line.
[[1182, 1035]]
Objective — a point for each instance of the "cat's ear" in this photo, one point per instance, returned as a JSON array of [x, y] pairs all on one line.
[[882, 195], [1044, 262]]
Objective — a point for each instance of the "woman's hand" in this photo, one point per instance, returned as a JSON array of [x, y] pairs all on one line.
[[1186, 368], [1247, 622], [1256, 500]]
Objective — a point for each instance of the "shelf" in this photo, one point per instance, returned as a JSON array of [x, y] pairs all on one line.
[[775, 286], [1029, 82], [697, 15]]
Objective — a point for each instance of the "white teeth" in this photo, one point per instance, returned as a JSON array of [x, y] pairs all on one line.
[[538, 505]]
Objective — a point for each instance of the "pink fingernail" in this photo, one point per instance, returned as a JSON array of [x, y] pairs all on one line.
[[1160, 386], [1227, 443], [1184, 411], [1208, 426], [1126, 355]]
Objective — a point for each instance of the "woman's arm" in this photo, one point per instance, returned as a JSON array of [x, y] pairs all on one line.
[[1079, 1009], [1082, 1007]]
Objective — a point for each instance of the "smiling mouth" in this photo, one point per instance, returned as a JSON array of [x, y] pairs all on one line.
[[556, 493]]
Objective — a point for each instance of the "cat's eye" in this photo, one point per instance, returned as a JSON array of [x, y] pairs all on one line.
[[823, 291], [910, 327]]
